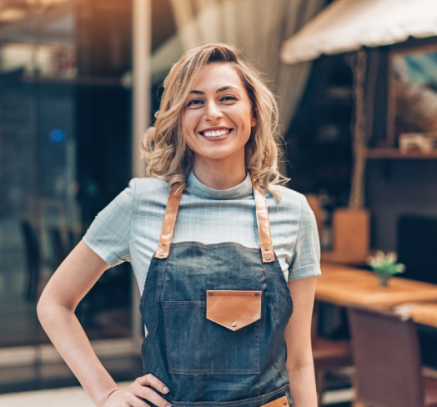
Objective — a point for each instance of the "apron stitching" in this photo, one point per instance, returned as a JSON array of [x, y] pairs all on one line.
[[269, 291], [159, 305]]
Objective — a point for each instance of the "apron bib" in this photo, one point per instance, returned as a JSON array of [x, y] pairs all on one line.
[[216, 316]]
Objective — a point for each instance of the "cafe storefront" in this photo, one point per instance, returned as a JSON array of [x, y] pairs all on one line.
[[66, 126]]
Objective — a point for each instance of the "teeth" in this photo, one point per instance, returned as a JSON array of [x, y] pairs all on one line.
[[217, 133]]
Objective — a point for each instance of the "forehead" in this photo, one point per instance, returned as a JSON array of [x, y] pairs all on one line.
[[217, 75]]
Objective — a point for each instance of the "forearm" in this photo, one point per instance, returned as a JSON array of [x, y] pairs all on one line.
[[69, 338], [302, 386], [300, 364]]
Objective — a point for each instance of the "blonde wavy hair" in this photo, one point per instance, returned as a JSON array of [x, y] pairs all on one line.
[[163, 146]]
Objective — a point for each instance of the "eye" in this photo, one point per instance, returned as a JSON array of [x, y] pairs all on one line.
[[228, 98], [195, 102]]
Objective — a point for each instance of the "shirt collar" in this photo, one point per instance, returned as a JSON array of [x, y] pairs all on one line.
[[195, 187]]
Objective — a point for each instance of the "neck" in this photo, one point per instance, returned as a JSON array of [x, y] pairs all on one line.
[[219, 174]]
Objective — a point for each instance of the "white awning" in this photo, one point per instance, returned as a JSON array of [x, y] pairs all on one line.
[[346, 25]]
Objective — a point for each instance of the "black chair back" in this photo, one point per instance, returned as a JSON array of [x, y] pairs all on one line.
[[33, 260], [60, 252]]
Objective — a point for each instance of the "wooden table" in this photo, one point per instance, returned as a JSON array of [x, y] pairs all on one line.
[[342, 285], [425, 314]]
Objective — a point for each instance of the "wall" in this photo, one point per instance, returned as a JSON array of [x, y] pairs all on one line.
[[396, 187]]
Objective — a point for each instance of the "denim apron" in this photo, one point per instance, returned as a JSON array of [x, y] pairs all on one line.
[[216, 316]]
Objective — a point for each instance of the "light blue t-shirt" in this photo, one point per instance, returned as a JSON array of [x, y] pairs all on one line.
[[129, 228]]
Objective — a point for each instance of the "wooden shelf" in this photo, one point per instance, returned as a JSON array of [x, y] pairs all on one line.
[[394, 153]]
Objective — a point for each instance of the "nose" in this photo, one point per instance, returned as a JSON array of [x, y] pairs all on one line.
[[213, 111]]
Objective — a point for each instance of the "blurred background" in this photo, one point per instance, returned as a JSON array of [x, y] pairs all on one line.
[[80, 81]]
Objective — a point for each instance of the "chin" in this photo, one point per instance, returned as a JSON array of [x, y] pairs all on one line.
[[220, 154]]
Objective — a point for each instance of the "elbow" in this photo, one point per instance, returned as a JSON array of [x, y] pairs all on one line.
[[43, 309], [301, 366], [300, 361], [49, 309]]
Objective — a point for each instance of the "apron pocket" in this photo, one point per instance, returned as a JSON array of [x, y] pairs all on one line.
[[185, 336], [233, 309], [233, 331]]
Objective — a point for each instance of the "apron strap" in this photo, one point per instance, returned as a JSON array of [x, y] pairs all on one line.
[[262, 216], [171, 212]]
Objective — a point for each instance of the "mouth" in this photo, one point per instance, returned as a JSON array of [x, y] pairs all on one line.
[[215, 134]]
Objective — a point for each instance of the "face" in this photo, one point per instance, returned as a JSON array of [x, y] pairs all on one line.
[[217, 118]]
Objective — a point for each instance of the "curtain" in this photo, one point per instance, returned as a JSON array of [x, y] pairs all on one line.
[[258, 28]]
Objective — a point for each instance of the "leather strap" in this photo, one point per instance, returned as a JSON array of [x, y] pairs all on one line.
[[171, 212], [262, 215]]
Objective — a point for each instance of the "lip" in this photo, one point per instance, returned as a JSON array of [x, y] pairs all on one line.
[[216, 129], [218, 138]]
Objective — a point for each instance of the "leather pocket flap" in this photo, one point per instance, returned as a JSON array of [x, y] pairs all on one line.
[[233, 309], [281, 402]]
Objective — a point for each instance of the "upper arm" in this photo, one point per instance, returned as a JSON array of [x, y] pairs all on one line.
[[306, 253], [73, 278], [109, 234], [105, 244], [298, 331]]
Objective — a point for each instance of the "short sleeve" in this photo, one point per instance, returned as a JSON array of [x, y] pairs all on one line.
[[306, 255], [109, 234]]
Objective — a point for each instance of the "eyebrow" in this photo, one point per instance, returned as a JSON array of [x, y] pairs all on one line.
[[199, 92]]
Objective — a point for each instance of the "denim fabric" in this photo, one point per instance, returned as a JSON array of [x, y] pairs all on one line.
[[200, 361]]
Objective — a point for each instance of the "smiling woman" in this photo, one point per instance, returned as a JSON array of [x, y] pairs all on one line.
[[226, 269], [217, 122], [212, 89]]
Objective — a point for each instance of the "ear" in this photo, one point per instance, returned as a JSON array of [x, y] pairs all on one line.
[[253, 119]]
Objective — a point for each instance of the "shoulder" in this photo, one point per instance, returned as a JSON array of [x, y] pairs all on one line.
[[291, 199], [293, 207], [149, 186], [149, 196], [139, 190]]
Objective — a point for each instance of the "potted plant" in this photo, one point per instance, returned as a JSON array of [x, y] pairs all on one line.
[[385, 266]]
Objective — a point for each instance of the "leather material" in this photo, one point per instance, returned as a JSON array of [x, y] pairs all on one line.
[[281, 402], [171, 213], [233, 309], [262, 214]]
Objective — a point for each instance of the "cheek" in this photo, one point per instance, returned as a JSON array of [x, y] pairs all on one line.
[[188, 128], [190, 121]]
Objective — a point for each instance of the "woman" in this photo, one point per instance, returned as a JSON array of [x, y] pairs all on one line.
[[220, 276]]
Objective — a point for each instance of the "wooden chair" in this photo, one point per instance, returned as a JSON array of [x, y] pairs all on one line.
[[386, 355], [327, 354]]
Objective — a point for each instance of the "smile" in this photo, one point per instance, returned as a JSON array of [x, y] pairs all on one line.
[[215, 133]]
